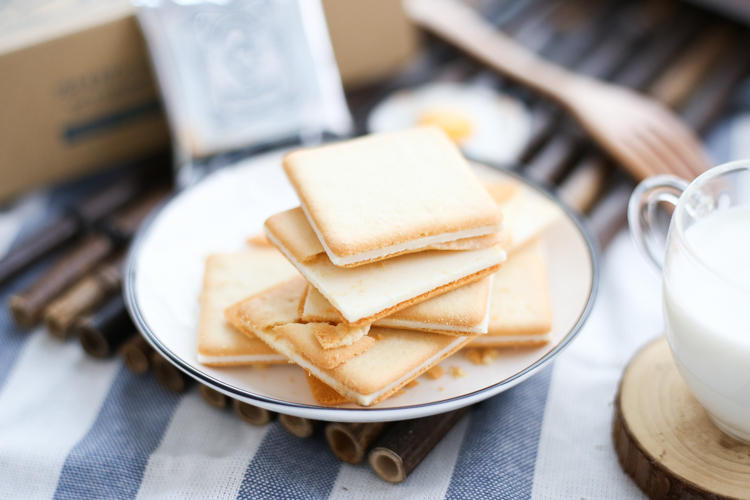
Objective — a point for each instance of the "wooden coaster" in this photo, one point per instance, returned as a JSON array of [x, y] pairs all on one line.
[[664, 438]]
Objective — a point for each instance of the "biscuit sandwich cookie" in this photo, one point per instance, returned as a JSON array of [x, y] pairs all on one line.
[[229, 277], [366, 372], [462, 311], [385, 361], [374, 197], [364, 294], [520, 309], [526, 213]]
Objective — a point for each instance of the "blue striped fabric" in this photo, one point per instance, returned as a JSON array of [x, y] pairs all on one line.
[[496, 456], [109, 461], [498, 453], [287, 467], [12, 338]]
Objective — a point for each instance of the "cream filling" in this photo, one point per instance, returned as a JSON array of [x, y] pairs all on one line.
[[416, 244], [247, 358], [285, 347], [497, 340], [406, 324], [403, 324], [353, 318]]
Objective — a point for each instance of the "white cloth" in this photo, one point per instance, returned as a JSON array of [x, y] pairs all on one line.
[[74, 427]]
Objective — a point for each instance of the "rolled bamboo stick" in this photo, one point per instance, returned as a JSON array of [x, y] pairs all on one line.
[[299, 426], [638, 70], [136, 353], [625, 36], [213, 397], [168, 375], [91, 209], [88, 293], [705, 105], [548, 157], [684, 75], [38, 245], [609, 215], [146, 174], [612, 47], [106, 329], [659, 52], [27, 306], [548, 166], [122, 226], [351, 441], [583, 185], [254, 415], [405, 444]]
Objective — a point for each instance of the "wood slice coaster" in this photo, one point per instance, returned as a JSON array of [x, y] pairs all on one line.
[[664, 438]]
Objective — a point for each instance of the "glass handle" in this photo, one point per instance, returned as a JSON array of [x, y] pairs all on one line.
[[649, 237]]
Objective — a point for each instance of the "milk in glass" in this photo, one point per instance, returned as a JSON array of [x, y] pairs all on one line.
[[707, 311]]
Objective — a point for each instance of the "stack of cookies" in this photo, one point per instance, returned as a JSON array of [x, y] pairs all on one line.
[[397, 257]]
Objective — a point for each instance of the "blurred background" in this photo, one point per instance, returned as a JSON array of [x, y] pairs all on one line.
[[88, 85]]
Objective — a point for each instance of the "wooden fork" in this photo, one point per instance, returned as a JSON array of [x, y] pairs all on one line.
[[640, 133]]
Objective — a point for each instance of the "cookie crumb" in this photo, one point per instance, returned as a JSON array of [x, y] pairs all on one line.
[[489, 355], [413, 383], [435, 372], [398, 392], [457, 372], [474, 355], [259, 240], [480, 356]]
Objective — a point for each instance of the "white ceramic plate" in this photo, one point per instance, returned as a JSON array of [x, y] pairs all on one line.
[[164, 273]]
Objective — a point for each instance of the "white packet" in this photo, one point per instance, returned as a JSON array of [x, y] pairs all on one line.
[[240, 73]]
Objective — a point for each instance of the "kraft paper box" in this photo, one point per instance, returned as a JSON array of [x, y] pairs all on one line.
[[372, 39], [76, 91]]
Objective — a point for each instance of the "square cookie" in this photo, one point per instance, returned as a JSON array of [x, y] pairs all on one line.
[[520, 309], [229, 277], [386, 194], [463, 311], [366, 293]]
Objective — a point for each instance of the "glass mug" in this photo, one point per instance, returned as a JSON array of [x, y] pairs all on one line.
[[705, 263]]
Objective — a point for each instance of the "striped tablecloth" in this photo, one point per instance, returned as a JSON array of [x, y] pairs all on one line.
[[74, 427]]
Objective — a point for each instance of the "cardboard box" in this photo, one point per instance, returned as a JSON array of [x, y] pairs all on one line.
[[372, 39], [76, 91]]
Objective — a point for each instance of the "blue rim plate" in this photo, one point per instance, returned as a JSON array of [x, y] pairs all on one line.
[[164, 271]]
